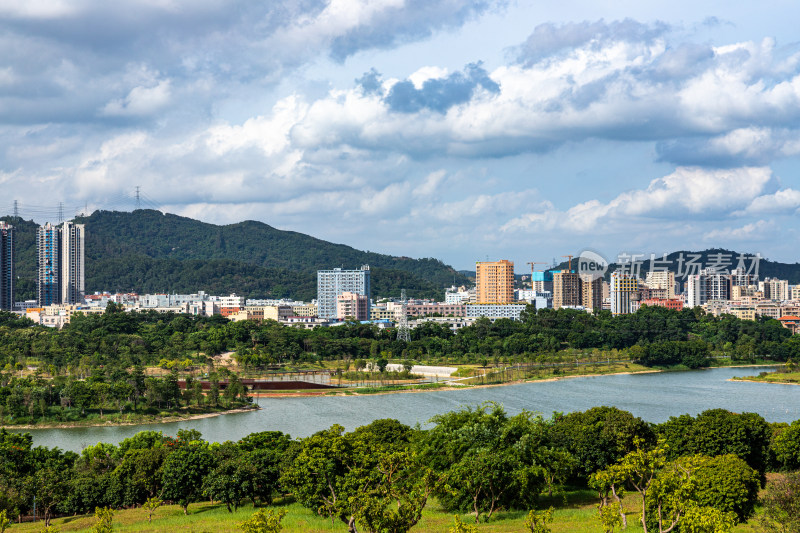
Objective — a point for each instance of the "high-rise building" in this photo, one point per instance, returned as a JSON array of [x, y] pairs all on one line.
[[718, 286], [591, 292], [332, 283], [60, 264], [6, 267], [695, 290], [48, 245], [495, 282], [72, 259], [566, 289], [624, 290], [662, 279], [542, 281], [776, 289]]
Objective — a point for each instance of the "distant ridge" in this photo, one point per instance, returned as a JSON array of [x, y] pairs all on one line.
[[148, 251]]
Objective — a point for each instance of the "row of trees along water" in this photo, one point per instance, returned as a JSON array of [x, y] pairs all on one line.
[[652, 336], [693, 474]]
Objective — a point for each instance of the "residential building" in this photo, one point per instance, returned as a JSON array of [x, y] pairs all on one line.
[[352, 305], [775, 289], [305, 310], [718, 285], [60, 260], [542, 281], [495, 311], [662, 279], [455, 295], [72, 263], [740, 278], [624, 293], [795, 293], [566, 289], [791, 322], [332, 283], [6, 267], [591, 292], [695, 290], [48, 246], [434, 308], [673, 303], [495, 282]]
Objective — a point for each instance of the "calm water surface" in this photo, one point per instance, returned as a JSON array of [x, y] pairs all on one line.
[[654, 397]]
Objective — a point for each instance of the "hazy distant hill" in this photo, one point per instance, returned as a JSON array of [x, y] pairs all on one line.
[[147, 251]]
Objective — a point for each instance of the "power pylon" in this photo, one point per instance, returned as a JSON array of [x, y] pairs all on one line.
[[403, 331]]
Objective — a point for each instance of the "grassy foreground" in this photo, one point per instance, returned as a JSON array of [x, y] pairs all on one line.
[[577, 515]]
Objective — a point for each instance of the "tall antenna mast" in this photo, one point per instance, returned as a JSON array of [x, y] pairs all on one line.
[[138, 201], [403, 332]]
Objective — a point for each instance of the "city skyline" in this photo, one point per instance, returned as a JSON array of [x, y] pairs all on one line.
[[449, 129]]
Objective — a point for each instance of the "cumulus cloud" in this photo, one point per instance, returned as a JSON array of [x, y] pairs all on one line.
[[140, 101], [548, 40], [689, 192]]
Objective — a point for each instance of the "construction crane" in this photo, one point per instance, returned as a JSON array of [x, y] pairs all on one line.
[[569, 267], [532, 266]]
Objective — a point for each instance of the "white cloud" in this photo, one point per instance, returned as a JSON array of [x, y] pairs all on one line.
[[140, 101], [753, 231], [785, 200], [687, 192]]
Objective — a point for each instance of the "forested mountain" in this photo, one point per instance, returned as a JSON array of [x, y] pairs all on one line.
[[688, 262], [148, 251]]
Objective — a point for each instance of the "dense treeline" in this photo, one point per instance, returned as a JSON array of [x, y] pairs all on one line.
[[653, 336], [381, 476]]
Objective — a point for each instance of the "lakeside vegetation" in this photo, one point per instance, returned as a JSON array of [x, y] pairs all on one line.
[[786, 374], [596, 469], [100, 366]]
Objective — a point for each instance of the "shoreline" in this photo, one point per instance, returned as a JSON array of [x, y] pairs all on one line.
[[352, 392], [745, 380], [109, 423]]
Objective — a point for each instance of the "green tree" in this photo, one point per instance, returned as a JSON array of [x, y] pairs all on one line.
[[105, 519], [460, 527], [536, 521], [4, 521], [263, 522], [487, 459], [786, 446], [183, 472], [151, 505]]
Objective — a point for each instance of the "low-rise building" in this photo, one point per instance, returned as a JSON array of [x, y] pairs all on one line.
[[494, 311]]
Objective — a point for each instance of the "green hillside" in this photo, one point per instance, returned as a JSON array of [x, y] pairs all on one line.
[[147, 251], [766, 268]]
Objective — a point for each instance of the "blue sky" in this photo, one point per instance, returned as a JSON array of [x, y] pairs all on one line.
[[456, 129]]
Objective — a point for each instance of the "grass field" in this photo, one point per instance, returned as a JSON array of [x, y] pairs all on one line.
[[775, 377], [576, 515]]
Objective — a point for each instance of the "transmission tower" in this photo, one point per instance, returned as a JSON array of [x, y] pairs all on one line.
[[403, 332], [16, 209], [138, 200], [60, 212]]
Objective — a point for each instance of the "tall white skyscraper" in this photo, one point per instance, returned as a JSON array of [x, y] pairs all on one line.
[[332, 283]]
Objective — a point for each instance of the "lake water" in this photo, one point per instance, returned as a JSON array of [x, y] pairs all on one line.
[[654, 397]]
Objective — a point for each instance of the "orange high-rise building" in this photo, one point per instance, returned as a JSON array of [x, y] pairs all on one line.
[[495, 280]]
